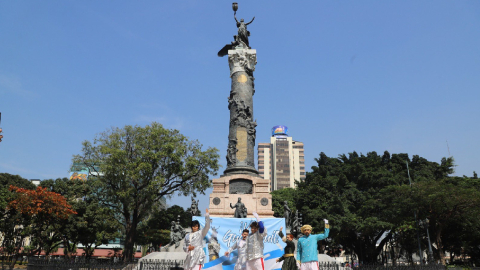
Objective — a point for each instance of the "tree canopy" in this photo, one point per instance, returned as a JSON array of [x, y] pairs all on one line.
[[93, 225], [36, 214], [137, 166], [7, 180], [370, 202]]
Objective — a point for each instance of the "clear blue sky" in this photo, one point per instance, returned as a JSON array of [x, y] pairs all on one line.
[[401, 76]]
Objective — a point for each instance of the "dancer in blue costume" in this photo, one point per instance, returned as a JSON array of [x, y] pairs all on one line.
[[255, 245], [307, 254]]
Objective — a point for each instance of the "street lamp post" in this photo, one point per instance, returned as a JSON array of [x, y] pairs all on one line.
[[1, 136], [430, 252], [416, 221]]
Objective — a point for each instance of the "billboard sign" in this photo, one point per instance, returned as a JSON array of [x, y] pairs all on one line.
[[279, 130], [78, 172]]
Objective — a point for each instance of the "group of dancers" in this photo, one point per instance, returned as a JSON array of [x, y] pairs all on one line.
[[250, 247]]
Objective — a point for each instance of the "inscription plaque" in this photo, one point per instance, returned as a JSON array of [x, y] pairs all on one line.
[[241, 143], [241, 186], [216, 201]]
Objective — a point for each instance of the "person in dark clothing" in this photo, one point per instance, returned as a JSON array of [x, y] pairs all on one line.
[[289, 262]]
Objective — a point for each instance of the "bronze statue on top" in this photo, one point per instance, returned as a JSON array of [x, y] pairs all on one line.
[[242, 38], [243, 33]]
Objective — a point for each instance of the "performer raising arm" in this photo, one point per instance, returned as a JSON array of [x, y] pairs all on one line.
[[241, 246], [255, 244], [194, 243], [307, 253], [288, 258]]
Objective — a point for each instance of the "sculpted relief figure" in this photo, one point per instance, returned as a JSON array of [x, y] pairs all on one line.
[[194, 208], [213, 245], [243, 110], [231, 101], [176, 235], [251, 129], [232, 153]]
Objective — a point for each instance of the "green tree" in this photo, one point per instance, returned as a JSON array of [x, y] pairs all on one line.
[[452, 206], [279, 197], [39, 213], [137, 166], [93, 225], [12, 235], [64, 232], [348, 191], [7, 180], [96, 225]]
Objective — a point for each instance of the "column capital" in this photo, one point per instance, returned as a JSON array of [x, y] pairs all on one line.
[[242, 60]]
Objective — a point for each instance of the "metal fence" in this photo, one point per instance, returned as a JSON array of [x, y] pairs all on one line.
[[76, 264], [82, 264], [336, 266], [402, 267], [160, 265]]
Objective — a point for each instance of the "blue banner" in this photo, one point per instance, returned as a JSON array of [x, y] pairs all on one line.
[[224, 232]]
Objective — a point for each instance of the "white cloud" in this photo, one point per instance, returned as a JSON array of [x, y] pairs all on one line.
[[27, 173], [12, 84], [168, 122]]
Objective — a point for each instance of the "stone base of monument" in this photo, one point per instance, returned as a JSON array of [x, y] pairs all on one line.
[[253, 192]]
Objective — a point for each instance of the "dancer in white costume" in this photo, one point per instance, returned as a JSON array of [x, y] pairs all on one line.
[[241, 246], [194, 244], [255, 245]]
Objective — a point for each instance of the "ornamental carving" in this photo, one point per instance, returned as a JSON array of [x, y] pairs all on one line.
[[264, 201], [242, 60]]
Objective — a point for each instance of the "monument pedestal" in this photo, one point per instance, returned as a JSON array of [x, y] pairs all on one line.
[[252, 190]]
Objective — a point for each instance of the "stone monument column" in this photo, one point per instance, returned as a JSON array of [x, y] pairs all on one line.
[[240, 182], [242, 128]]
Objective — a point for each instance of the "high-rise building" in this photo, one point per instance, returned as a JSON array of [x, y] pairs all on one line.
[[282, 161]]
